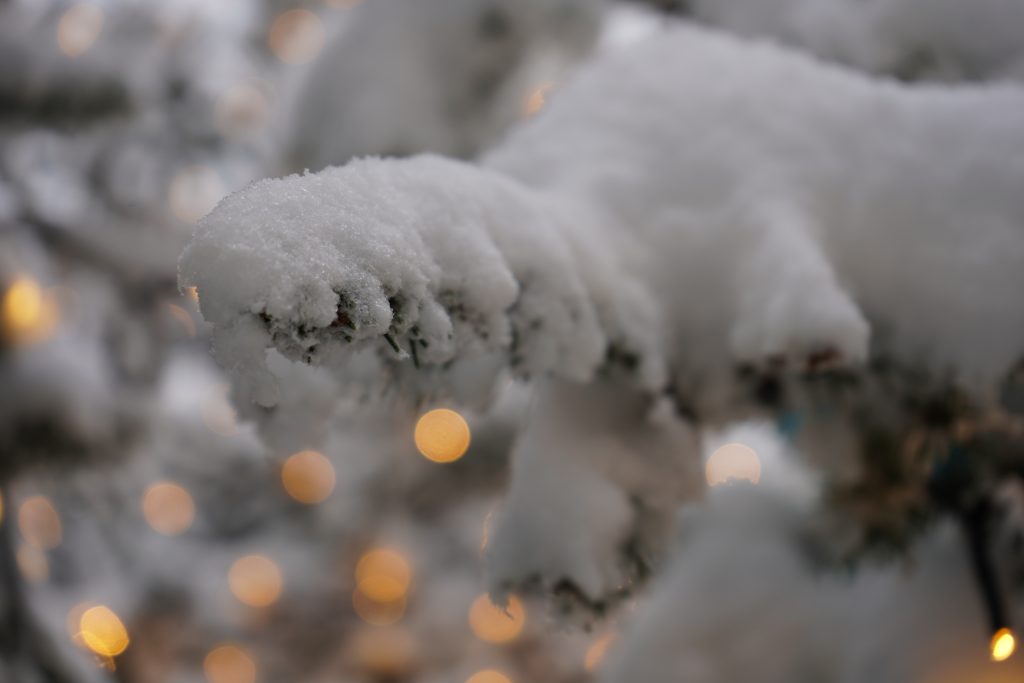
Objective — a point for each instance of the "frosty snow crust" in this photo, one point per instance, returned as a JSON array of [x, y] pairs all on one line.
[[675, 220], [422, 259]]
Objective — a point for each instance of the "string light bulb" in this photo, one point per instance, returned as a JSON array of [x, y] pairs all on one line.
[[1003, 645], [442, 435]]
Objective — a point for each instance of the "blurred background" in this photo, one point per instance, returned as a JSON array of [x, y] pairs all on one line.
[[151, 534]]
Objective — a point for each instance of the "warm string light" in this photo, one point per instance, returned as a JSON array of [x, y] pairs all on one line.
[[1003, 645], [241, 109], [28, 313], [308, 477], [536, 99], [495, 624], [383, 577], [229, 663], [168, 508], [488, 676], [387, 652], [32, 563], [78, 28], [194, 191], [597, 650], [296, 36], [255, 580], [733, 461], [442, 435], [39, 523], [101, 630]]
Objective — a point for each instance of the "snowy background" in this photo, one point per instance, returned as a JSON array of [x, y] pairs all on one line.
[[510, 341]]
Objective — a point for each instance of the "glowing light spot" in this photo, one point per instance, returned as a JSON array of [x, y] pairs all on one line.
[[442, 435], [192, 293], [168, 508], [229, 663], [218, 413], [382, 578], [596, 652], [495, 624], [536, 99], [255, 580], [29, 314], [1004, 644], [241, 109], [308, 477], [488, 676], [383, 574], [75, 617], [296, 36], [33, 564], [39, 523], [377, 612], [78, 28], [386, 652], [194, 191], [184, 318], [102, 631], [733, 461]]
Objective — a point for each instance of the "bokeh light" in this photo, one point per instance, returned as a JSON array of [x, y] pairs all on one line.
[[494, 624], [194, 191], [488, 676], [241, 109], [597, 650], [386, 652], [308, 477], [442, 435], [229, 663], [39, 523], [32, 563], [383, 574], [255, 580], [536, 99], [78, 28], [168, 508], [733, 461], [29, 313], [296, 36], [102, 631], [1004, 644], [378, 612]]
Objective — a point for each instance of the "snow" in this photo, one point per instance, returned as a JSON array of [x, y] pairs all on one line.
[[931, 39], [740, 601], [782, 224], [445, 76]]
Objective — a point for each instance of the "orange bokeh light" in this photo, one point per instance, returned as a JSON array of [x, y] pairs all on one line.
[[308, 477], [495, 624], [442, 435]]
